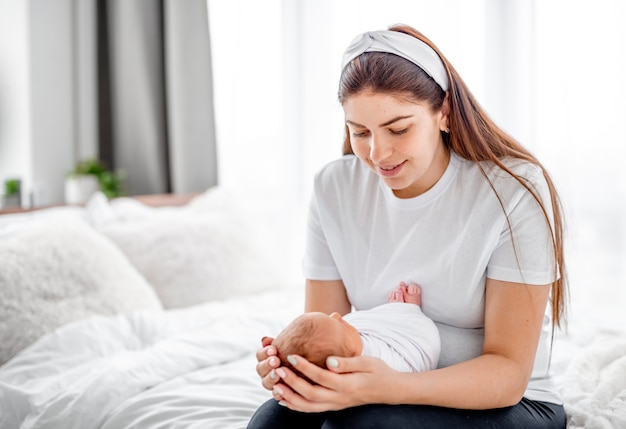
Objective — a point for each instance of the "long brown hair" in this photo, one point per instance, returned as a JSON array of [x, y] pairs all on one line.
[[473, 134]]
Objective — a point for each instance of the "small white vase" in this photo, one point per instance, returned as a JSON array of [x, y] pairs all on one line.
[[78, 189]]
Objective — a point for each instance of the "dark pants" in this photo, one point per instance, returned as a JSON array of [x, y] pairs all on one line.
[[525, 415]]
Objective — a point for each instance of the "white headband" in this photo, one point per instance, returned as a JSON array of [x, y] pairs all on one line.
[[403, 45]]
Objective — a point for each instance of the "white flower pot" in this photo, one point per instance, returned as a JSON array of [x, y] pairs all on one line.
[[10, 201], [78, 189]]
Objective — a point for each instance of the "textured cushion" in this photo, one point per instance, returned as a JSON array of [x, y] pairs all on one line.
[[55, 273], [208, 250]]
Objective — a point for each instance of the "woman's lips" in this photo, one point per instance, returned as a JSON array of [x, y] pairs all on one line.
[[390, 171]]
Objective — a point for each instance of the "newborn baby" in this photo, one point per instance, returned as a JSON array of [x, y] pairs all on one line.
[[396, 332]]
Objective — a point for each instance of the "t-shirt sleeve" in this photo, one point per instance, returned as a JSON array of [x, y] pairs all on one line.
[[318, 262], [524, 253]]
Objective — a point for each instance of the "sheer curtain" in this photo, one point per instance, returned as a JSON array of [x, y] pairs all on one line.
[[276, 72], [580, 62], [547, 72]]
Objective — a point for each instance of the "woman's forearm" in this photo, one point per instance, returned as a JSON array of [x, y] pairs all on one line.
[[488, 381], [499, 377]]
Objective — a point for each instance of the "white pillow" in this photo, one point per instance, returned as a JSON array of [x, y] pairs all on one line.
[[55, 273], [205, 251]]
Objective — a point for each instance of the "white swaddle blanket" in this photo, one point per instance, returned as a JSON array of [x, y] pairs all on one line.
[[400, 334]]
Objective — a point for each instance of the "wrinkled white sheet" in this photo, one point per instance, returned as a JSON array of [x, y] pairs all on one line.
[[192, 367], [594, 385], [195, 368]]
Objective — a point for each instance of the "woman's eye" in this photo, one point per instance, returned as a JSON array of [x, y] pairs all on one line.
[[399, 132], [359, 135]]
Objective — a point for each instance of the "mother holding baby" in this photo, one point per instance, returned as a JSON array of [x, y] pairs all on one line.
[[430, 191]]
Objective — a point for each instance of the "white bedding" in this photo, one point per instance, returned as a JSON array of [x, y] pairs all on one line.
[[195, 366], [190, 367], [594, 384]]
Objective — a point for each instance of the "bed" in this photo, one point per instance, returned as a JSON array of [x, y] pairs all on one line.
[[135, 313]]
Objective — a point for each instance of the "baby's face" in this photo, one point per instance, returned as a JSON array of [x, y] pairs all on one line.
[[349, 334]]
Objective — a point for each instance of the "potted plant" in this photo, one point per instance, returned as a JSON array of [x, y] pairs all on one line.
[[11, 195], [90, 176]]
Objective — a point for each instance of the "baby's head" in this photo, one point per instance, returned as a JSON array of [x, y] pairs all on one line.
[[315, 336]]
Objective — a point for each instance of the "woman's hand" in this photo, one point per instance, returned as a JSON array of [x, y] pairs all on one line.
[[267, 363], [349, 382], [324, 296]]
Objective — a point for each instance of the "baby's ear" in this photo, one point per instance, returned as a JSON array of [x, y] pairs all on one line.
[[336, 315]]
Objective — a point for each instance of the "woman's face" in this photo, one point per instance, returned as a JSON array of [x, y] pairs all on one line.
[[399, 140]]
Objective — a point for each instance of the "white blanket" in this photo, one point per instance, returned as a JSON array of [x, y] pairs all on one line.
[[594, 387], [195, 367], [191, 367]]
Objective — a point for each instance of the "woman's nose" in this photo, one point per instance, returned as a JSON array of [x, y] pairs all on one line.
[[379, 149]]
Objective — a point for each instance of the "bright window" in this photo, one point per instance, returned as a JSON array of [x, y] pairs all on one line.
[[550, 72]]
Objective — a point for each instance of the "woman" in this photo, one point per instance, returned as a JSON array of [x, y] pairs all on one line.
[[430, 191]]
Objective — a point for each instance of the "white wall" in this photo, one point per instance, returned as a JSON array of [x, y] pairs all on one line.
[[47, 87], [53, 100], [15, 134]]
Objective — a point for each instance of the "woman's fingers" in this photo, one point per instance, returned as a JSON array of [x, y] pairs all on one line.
[[350, 382], [270, 380], [265, 352], [313, 372], [297, 393], [267, 371], [292, 400], [267, 363], [343, 365], [329, 392], [267, 360]]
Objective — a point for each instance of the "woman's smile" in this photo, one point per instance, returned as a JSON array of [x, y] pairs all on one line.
[[390, 170]]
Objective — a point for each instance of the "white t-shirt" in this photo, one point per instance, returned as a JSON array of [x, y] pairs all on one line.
[[400, 334], [447, 240]]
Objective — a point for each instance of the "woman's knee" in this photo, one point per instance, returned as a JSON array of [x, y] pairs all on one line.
[[270, 415], [427, 417], [375, 416]]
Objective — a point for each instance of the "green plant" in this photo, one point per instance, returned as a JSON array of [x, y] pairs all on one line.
[[111, 182], [11, 187], [88, 166]]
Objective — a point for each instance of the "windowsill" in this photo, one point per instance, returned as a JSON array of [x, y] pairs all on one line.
[[153, 200]]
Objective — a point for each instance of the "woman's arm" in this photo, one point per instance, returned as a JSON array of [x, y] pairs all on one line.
[[327, 297], [498, 378], [513, 318]]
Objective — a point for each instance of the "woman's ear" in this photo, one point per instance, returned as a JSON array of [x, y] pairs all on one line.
[[444, 123]]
